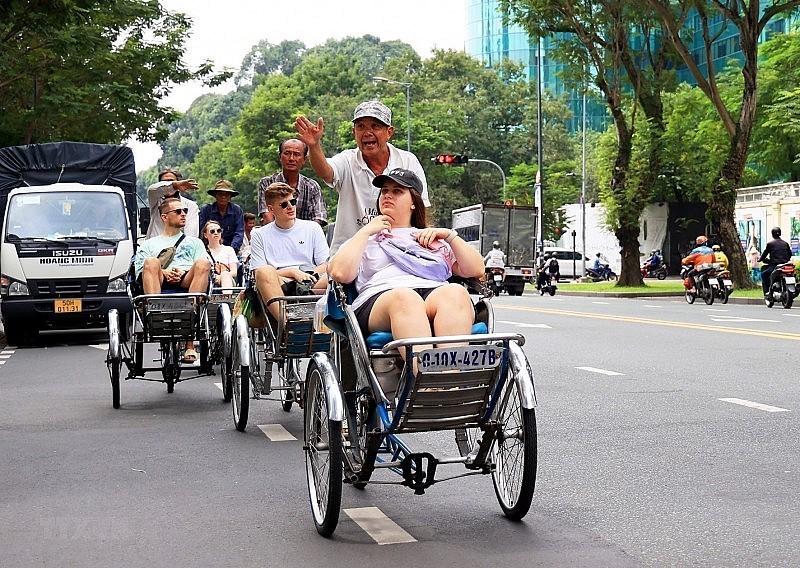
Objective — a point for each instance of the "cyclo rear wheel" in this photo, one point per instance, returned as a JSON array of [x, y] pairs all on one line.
[[514, 453], [323, 447]]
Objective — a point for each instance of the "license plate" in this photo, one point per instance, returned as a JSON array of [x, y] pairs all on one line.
[[727, 282], [223, 298], [176, 305], [72, 306], [790, 279], [498, 278], [463, 358]]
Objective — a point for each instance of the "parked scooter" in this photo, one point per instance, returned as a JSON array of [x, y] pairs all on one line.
[[494, 279], [659, 271], [783, 286], [705, 285], [724, 286]]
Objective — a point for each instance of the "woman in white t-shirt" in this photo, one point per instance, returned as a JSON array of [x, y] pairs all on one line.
[[224, 257], [394, 292]]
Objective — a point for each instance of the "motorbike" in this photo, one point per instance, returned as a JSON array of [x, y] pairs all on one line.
[[724, 286], [603, 273], [783, 286], [659, 271], [705, 285], [549, 287], [494, 279]]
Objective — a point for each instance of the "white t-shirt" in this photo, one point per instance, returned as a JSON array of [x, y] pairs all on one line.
[[303, 244], [378, 272], [358, 198], [155, 194], [226, 255], [495, 257]]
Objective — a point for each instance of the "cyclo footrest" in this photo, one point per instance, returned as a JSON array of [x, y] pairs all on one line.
[[419, 471]]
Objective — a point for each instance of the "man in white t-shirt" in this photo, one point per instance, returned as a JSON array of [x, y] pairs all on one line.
[[351, 171], [287, 250]]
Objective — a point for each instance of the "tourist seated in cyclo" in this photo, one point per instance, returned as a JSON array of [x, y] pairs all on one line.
[[289, 253], [224, 260], [187, 270], [400, 267]]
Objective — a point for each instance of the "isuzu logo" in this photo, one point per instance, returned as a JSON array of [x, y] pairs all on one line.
[[72, 252]]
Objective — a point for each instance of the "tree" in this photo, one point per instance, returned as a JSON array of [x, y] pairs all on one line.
[[89, 71], [776, 134], [613, 42], [737, 117]]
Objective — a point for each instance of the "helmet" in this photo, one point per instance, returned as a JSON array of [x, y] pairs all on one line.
[[701, 240], [716, 247], [553, 254], [654, 251], [776, 232], [496, 244], [598, 255]]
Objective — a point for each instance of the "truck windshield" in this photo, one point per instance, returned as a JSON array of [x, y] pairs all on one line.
[[61, 214]]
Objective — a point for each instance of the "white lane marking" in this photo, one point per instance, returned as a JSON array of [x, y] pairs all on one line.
[[536, 325], [793, 315], [218, 385], [101, 346], [601, 371], [2, 362], [602, 303], [756, 405], [5, 356], [740, 319], [12, 350], [276, 432], [651, 306], [716, 310], [381, 528]]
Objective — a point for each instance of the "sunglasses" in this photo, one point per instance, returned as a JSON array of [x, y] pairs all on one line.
[[180, 211], [285, 204], [215, 231]]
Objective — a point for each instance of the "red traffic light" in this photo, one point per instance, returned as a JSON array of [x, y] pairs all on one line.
[[450, 159]]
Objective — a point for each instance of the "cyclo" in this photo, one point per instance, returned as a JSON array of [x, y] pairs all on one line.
[[271, 345], [360, 398], [168, 320]]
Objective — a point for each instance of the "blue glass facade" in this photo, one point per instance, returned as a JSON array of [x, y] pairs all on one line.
[[490, 40]]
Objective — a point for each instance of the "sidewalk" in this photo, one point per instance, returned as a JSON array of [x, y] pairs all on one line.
[[652, 296]]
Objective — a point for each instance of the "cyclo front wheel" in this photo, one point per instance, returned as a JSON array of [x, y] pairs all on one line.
[[514, 454], [240, 374], [323, 447]]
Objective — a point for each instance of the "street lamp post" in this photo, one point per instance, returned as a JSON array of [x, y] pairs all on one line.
[[502, 174], [408, 105]]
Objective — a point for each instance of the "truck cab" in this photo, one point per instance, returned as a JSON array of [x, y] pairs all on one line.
[[65, 247]]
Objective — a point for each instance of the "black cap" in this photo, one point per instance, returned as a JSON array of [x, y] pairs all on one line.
[[406, 178]]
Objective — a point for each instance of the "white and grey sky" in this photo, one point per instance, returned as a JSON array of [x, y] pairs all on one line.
[[225, 31]]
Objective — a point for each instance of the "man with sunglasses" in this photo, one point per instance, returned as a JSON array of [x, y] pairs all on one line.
[[189, 268], [170, 184], [288, 250], [292, 154]]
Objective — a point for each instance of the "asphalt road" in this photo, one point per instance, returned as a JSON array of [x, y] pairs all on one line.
[[667, 437]]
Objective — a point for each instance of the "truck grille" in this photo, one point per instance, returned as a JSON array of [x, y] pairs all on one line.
[[67, 287]]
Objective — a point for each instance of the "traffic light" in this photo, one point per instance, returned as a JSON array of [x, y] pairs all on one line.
[[450, 159]]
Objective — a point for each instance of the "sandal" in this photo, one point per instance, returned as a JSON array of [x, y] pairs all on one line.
[[189, 356]]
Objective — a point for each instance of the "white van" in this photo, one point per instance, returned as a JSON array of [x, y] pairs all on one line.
[[565, 259]]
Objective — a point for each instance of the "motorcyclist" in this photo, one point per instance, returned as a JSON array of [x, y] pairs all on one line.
[[776, 252], [600, 268], [547, 270], [653, 262], [495, 257], [701, 257], [720, 257]]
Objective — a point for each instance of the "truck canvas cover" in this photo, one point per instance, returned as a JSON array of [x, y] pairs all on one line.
[[79, 162]]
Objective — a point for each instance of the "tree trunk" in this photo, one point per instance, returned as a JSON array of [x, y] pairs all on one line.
[[628, 236]]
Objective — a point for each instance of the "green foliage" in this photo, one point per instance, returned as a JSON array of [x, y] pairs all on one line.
[[90, 71]]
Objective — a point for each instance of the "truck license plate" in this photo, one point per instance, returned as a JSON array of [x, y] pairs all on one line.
[[462, 358], [71, 306]]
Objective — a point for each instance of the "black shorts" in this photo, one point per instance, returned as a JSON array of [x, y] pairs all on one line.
[[362, 312]]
